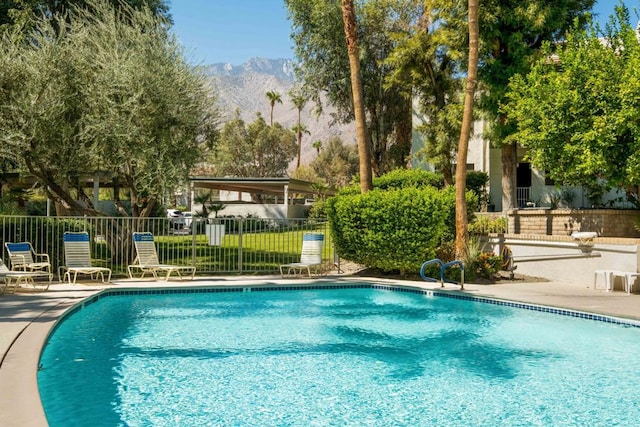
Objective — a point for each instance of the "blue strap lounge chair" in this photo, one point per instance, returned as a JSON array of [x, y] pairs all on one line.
[[310, 257], [24, 258], [77, 257], [147, 259]]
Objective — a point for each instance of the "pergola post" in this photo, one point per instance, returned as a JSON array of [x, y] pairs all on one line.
[[286, 200], [192, 195]]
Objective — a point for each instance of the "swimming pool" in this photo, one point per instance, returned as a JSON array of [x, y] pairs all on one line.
[[353, 356]]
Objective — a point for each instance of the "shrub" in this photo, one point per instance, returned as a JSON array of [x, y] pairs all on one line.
[[485, 225], [479, 263], [317, 210], [404, 178], [485, 266], [400, 178], [394, 229], [477, 182]]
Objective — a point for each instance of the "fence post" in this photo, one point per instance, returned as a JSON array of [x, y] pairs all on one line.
[[194, 229], [240, 221]]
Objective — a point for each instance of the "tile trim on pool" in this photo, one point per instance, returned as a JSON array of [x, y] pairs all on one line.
[[515, 304], [371, 285]]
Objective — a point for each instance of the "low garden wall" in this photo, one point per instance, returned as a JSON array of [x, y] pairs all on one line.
[[560, 258], [562, 222]]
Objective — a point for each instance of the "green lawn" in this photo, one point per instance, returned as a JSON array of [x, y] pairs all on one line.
[[261, 251]]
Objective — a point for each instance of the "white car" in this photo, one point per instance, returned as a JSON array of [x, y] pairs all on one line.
[[174, 213], [176, 219], [188, 218]]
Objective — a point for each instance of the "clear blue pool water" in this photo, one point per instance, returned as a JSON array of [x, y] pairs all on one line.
[[334, 358]]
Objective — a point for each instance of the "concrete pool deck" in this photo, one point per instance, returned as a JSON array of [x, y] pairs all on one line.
[[26, 317]]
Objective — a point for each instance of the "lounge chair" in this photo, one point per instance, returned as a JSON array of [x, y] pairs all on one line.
[[310, 257], [77, 257], [24, 258], [147, 259], [17, 278]]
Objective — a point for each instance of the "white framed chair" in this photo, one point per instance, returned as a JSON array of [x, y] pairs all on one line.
[[16, 278], [607, 277], [24, 258], [628, 279], [147, 261], [310, 256], [77, 259]]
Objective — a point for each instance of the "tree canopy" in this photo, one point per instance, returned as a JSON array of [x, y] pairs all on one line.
[[336, 163], [511, 36], [102, 92], [254, 150], [319, 37], [59, 7], [428, 62], [578, 110]]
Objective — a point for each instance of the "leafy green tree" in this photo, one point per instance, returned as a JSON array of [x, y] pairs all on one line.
[[577, 110], [111, 93], [306, 173], [254, 150], [59, 7], [336, 164], [511, 36], [273, 97], [428, 62], [318, 33]]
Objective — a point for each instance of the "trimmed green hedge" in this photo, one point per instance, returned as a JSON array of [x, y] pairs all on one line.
[[403, 178], [400, 178], [393, 229]]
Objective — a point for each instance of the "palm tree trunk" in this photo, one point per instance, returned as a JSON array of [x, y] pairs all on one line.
[[299, 140], [350, 31], [463, 145], [271, 115]]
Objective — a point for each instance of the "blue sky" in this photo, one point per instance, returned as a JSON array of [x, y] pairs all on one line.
[[232, 31]]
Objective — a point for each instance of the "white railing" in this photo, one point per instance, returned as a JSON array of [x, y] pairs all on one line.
[[523, 195], [248, 245]]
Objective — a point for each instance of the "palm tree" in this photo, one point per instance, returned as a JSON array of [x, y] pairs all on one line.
[[273, 98], [351, 34], [317, 145], [463, 145], [300, 129], [299, 100]]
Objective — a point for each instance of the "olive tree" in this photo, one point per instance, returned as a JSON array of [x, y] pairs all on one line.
[[104, 91], [253, 150]]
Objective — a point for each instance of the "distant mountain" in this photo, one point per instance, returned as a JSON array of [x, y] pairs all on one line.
[[244, 87], [280, 68]]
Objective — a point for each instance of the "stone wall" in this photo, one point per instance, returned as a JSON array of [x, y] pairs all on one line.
[[562, 222]]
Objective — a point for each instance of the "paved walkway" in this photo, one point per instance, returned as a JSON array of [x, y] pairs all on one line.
[[27, 317]]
